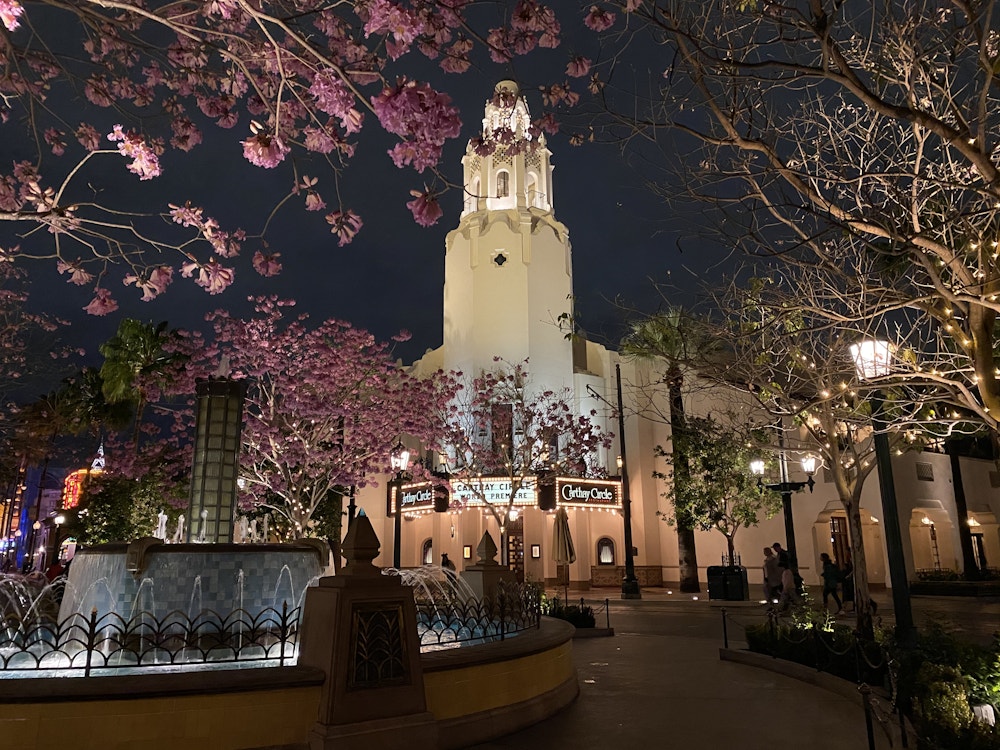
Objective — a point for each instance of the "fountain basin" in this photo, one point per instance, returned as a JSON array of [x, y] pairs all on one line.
[[505, 687], [154, 578]]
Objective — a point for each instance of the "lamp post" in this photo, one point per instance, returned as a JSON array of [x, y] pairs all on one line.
[[872, 359], [399, 459], [630, 584], [786, 488]]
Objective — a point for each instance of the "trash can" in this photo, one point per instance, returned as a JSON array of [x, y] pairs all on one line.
[[728, 583]]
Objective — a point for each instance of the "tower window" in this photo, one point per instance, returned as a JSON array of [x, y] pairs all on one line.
[[503, 184], [500, 259]]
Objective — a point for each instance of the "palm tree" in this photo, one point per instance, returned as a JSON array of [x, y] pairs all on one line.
[[674, 337], [132, 356]]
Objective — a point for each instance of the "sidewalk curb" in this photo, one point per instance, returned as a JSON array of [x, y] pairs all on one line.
[[844, 688]]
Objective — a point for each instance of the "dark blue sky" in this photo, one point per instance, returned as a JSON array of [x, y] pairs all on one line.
[[391, 276]]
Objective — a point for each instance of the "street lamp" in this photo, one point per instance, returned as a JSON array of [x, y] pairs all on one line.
[[630, 584], [786, 488], [399, 460], [873, 359]]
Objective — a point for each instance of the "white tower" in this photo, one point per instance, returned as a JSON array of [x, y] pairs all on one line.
[[508, 268]]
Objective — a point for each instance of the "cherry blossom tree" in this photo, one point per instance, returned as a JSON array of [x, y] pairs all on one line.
[[292, 84], [326, 404], [499, 426]]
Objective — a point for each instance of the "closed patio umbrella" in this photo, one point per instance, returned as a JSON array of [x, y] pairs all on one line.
[[563, 550]]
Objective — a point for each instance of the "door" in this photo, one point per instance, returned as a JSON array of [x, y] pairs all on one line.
[[840, 540]]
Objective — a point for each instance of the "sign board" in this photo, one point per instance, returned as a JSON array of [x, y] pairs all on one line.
[[493, 490], [571, 492], [588, 493]]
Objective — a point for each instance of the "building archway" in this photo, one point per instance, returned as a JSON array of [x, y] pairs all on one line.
[[831, 534]]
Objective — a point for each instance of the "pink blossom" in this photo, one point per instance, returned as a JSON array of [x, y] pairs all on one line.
[[631, 6], [186, 134], [102, 304], [599, 19], [54, 138], [145, 162], [319, 140], [211, 276], [578, 67], [425, 208], [10, 11], [96, 90], [403, 25], [423, 117], [456, 57], [88, 137], [186, 215], [314, 202], [331, 95], [153, 284], [267, 265], [264, 150], [345, 225], [77, 273]]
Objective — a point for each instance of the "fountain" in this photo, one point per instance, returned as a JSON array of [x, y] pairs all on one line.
[[156, 579]]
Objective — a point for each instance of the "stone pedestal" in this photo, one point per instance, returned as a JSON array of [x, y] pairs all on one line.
[[360, 628], [486, 575]]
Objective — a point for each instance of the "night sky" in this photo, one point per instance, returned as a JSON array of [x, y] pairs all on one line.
[[391, 276]]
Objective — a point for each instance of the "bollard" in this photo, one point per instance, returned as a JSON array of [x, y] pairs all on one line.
[[607, 614], [866, 702], [725, 630]]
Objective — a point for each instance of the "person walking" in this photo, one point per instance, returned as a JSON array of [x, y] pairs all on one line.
[[782, 555], [847, 582], [831, 578], [447, 566], [772, 576], [789, 594]]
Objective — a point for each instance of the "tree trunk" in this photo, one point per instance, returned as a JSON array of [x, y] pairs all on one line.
[[862, 596], [687, 557], [731, 549]]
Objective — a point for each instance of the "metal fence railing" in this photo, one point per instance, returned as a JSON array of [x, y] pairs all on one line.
[[450, 621], [84, 645]]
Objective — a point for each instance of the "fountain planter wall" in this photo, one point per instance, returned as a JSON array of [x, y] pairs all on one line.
[[474, 694], [477, 694]]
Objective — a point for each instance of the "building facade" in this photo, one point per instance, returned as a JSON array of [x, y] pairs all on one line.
[[508, 286]]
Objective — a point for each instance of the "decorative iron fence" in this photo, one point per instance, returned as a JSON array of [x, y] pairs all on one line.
[[84, 645], [450, 621]]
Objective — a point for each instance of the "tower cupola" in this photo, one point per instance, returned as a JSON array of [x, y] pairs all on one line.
[[508, 166]]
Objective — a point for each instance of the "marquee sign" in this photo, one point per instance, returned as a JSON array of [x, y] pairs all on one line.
[[571, 492], [588, 493]]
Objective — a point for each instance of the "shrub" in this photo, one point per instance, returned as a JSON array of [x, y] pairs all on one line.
[[578, 616]]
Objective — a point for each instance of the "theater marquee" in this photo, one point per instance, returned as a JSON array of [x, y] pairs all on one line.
[[571, 492]]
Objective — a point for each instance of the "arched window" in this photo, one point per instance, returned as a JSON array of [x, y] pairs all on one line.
[[605, 551], [503, 184], [533, 191], [427, 553]]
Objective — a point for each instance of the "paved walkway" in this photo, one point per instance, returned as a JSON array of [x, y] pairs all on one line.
[[659, 682]]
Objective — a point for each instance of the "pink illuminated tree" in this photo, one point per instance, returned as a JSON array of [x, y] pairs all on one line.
[[499, 426], [292, 83], [326, 404]]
